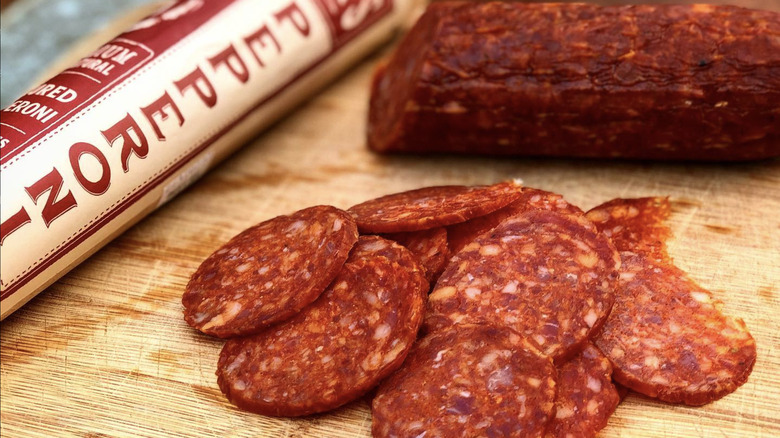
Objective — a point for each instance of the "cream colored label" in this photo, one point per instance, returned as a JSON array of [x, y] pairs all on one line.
[[162, 125]]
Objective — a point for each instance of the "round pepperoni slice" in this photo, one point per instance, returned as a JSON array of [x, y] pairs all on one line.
[[666, 336], [432, 207], [460, 235], [586, 396], [336, 349], [467, 381], [430, 247], [546, 275], [269, 272]]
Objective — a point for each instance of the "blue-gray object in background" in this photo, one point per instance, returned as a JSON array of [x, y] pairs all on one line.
[[35, 33]]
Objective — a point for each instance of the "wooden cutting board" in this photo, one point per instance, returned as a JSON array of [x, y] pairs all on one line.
[[105, 351]]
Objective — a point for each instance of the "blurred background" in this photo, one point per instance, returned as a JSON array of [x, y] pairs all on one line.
[[35, 33]]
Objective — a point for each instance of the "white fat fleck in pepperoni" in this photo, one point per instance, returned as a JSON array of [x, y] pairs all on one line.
[[594, 384], [243, 267], [588, 259], [370, 298], [500, 378], [593, 407], [510, 287], [236, 363], [472, 292], [382, 331], [534, 382], [296, 227], [230, 310], [490, 250], [591, 317], [564, 412]]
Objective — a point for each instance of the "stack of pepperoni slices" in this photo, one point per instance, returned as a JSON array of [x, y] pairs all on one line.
[[534, 308]]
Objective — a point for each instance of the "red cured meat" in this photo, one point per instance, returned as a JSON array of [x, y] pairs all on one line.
[[667, 82], [467, 381], [336, 349], [666, 336], [269, 272], [430, 247], [546, 275], [622, 390], [586, 396], [636, 225], [460, 235], [432, 207], [377, 246]]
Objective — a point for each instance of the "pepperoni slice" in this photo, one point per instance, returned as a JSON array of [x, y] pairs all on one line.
[[622, 390], [430, 247], [586, 396], [467, 381], [432, 207], [337, 348], [636, 225], [460, 235], [269, 272], [546, 275], [666, 337]]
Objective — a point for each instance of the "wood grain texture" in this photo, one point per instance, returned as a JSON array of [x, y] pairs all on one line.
[[105, 351]]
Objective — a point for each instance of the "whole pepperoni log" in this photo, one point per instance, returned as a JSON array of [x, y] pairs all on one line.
[[666, 336], [467, 381], [460, 235], [269, 272], [586, 396], [672, 82], [336, 349], [430, 247], [432, 207], [546, 275]]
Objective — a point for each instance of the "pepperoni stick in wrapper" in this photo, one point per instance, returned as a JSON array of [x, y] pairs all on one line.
[[95, 148]]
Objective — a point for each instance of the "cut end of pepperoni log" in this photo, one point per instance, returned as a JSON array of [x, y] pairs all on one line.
[[546, 275], [337, 348], [666, 337], [269, 272], [467, 381], [432, 207], [387, 107]]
